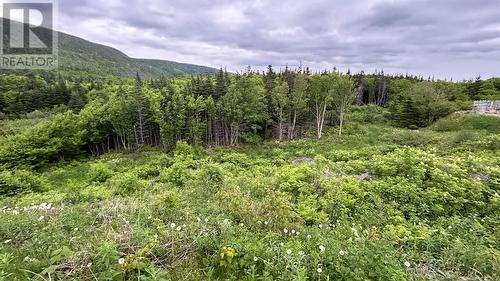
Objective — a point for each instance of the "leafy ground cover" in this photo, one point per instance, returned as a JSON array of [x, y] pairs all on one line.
[[378, 203]]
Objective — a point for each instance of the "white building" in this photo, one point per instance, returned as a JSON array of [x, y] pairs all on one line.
[[487, 107]]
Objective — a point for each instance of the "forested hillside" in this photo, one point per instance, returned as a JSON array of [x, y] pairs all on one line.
[[287, 175], [78, 56]]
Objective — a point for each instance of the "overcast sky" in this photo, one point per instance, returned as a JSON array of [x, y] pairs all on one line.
[[441, 38]]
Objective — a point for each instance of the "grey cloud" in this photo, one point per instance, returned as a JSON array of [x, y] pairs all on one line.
[[398, 36]]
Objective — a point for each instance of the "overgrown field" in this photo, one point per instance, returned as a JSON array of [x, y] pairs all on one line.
[[378, 203]]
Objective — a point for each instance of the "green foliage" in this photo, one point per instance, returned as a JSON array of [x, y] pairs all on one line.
[[420, 106], [47, 141], [17, 181], [377, 203], [100, 172], [125, 183], [456, 122]]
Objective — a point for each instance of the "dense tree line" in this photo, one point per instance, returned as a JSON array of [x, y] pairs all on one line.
[[214, 110]]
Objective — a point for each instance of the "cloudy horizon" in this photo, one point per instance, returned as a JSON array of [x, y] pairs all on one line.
[[446, 39]]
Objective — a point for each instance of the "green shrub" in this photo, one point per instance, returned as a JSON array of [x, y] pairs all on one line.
[[458, 122], [125, 183], [19, 181], [99, 172]]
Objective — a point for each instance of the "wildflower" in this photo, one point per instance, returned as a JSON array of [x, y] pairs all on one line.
[[172, 225], [297, 233], [285, 231], [156, 236], [28, 259], [7, 241], [121, 261], [322, 248], [89, 264], [301, 253], [206, 219], [75, 229], [407, 263], [308, 236], [288, 252], [150, 217], [342, 253], [319, 270], [198, 219], [179, 228], [266, 222], [320, 226], [293, 231], [41, 218], [255, 258]]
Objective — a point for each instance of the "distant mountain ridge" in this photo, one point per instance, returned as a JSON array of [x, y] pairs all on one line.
[[80, 56]]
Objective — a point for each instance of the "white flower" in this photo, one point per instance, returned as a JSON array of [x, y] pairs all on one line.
[[172, 225], [301, 253], [255, 258], [293, 231], [121, 261], [297, 233], [206, 219], [322, 248], [150, 217], [75, 229], [198, 219], [41, 218], [89, 264], [28, 259], [320, 226], [308, 236], [342, 253], [266, 222], [319, 270], [281, 244], [285, 231], [7, 241], [407, 263], [178, 228], [156, 236], [289, 252], [259, 222]]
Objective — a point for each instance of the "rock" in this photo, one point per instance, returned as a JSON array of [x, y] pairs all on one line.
[[480, 177], [302, 160], [366, 177]]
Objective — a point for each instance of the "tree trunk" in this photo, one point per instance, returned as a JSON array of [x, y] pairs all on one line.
[[341, 122]]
